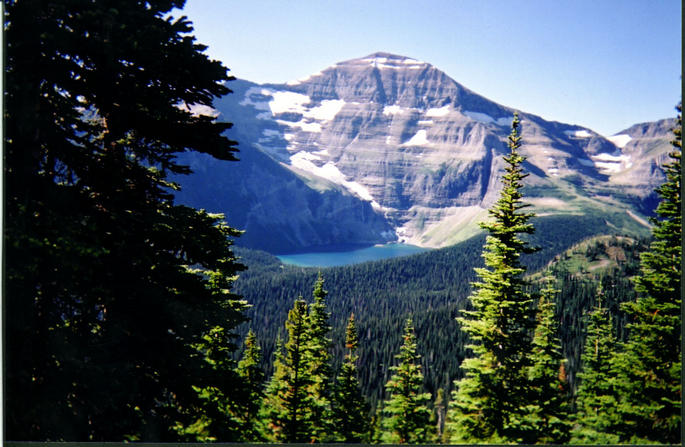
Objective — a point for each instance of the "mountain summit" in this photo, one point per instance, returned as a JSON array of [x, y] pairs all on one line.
[[392, 80], [387, 147]]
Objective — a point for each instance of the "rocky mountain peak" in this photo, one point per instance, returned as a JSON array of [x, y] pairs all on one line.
[[382, 60], [383, 78], [654, 129], [417, 155]]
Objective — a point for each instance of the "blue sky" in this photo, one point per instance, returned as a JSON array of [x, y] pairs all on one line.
[[603, 64]]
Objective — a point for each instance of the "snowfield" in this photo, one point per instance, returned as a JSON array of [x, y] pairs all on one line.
[[438, 112], [304, 160], [420, 139], [620, 140], [578, 133]]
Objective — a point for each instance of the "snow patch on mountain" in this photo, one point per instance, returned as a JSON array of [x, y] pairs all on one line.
[[487, 119], [305, 126], [305, 161], [394, 63], [609, 164], [392, 110], [438, 112], [276, 102], [578, 133], [375, 60], [609, 157], [482, 117], [288, 102], [395, 67], [419, 139], [608, 167], [326, 111], [279, 102], [309, 127], [620, 140], [410, 61], [256, 97]]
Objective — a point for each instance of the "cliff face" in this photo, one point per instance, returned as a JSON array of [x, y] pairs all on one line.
[[386, 147]]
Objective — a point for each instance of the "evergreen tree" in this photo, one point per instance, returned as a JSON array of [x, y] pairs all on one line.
[[376, 429], [597, 399], [218, 414], [285, 408], [250, 370], [319, 346], [350, 410], [550, 391], [272, 406], [109, 322], [651, 408], [406, 417], [490, 404]]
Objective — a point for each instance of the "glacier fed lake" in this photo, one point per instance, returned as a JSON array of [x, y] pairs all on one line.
[[338, 258]]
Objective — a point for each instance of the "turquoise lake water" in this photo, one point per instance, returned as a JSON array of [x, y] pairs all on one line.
[[336, 258]]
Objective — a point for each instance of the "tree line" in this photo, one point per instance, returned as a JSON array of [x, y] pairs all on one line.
[[123, 315]]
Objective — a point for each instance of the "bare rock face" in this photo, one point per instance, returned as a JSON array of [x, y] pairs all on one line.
[[396, 149]]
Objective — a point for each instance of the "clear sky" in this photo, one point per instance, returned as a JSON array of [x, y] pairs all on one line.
[[603, 64]]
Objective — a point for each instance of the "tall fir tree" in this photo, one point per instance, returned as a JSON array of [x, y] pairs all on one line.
[[490, 403], [597, 418], [107, 315], [250, 370], [285, 408], [652, 389], [350, 410], [218, 414], [268, 426], [550, 393], [319, 345], [406, 417], [376, 429]]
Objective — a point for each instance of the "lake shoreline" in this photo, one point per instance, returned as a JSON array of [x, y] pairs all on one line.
[[356, 255]]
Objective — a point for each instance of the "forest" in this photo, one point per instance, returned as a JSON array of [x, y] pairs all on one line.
[[432, 304], [129, 317]]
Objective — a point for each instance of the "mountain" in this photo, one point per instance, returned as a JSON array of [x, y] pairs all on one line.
[[386, 147], [637, 169]]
